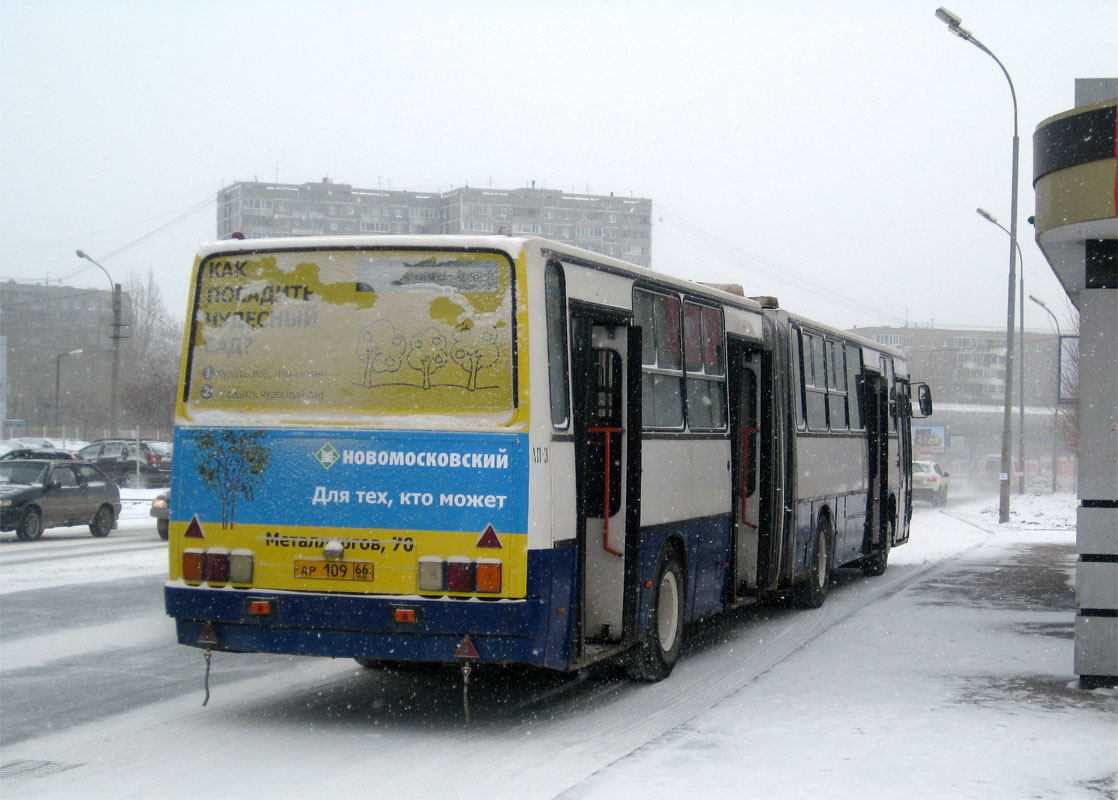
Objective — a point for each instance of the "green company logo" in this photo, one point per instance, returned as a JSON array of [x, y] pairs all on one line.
[[327, 455]]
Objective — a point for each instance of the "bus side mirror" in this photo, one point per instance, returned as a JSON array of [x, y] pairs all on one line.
[[924, 399]]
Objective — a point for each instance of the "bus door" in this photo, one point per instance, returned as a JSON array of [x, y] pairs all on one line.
[[753, 534], [876, 392], [903, 408], [607, 454]]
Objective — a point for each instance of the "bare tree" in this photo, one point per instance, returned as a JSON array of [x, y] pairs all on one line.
[[149, 374]]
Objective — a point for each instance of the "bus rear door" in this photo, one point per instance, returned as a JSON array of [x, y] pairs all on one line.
[[607, 452]]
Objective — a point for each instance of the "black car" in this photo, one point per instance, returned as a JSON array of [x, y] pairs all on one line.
[[24, 453], [35, 495], [150, 465]]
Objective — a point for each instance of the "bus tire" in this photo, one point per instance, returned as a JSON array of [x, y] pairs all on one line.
[[877, 562], [812, 592], [656, 655], [30, 525]]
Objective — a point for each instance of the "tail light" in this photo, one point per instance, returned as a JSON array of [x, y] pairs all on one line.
[[153, 459], [432, 575], [488, 576], [217, 566], [192, 565], [459, 574]]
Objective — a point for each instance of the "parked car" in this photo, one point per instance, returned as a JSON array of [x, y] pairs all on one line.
[[151, 465], [35, 495], [929, 482], [24, 453], [161, 510]]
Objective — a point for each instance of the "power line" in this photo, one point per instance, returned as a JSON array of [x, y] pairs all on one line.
[[739, 256], [183, 213]]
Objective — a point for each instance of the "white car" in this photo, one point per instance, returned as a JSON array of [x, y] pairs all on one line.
[[929, 482]]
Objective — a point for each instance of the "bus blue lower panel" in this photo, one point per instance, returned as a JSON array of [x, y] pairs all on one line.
[[362, 626]]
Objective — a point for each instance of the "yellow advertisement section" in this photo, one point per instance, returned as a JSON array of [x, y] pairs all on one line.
[[348, 560], [355, 332]]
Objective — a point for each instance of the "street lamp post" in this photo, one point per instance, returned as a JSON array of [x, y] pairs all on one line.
[[1056, 402], [954, 25], [116, 343], [1020, 354], [58, 380]]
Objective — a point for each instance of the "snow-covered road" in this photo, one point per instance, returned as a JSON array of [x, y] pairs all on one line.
[[830, 702]]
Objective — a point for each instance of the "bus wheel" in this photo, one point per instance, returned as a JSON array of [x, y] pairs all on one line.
[[813, 592], [876, 562], [31, 525], [655, 657]]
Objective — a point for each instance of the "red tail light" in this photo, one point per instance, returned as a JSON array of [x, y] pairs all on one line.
[[459, 576], [153, 459], [217, 567]]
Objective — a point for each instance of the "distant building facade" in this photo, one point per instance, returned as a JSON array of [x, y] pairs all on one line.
[[965, 369], [615, 226], [40, 327]]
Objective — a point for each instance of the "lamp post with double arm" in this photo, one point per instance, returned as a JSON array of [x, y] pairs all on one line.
[[955, 26]]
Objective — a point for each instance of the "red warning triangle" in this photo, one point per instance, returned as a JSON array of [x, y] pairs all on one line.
[[208, 634], [489, 539], [194, 529], [466, 648]]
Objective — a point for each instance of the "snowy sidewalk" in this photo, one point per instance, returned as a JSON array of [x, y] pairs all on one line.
[[959, 686]]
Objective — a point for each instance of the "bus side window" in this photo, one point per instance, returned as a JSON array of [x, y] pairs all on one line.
[[854, 387], [798, 377], [555, 296], [816, 395]]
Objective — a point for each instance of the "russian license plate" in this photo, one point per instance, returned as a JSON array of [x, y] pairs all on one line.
[[333, 570]]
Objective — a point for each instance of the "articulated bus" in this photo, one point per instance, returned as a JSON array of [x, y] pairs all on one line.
[[510, 450]]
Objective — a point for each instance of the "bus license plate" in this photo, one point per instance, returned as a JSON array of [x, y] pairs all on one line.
[[334, 570]]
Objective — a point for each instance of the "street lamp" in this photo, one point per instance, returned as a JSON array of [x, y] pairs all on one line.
[[1020, 353], [1056, 403], [57, 380], [954, 25], [116, 342]]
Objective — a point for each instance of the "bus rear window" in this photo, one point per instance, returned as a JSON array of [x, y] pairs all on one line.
[[353, 333]]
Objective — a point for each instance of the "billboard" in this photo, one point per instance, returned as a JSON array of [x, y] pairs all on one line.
[[929, 438]]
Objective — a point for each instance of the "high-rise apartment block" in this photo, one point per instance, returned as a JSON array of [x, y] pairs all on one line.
[[608, 224]]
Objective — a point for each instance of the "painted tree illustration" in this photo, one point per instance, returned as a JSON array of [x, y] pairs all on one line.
[[475, 349], [231, 463], [382, 349], [427, 353]]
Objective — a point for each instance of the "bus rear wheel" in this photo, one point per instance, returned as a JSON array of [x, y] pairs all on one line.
[[813, 591], [655, 657]]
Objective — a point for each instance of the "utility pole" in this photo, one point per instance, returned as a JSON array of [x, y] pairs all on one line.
[[117, 324]]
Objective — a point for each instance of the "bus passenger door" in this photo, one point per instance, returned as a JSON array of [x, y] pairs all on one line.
[[876, 392], [752, 528], [607, 453], [903, 409]]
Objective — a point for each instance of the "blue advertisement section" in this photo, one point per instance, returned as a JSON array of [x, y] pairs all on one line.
[[353, 479]]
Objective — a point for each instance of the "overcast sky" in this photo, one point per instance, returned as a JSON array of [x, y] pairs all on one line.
[[829, 153]]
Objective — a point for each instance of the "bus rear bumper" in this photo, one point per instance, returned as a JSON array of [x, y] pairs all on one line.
[[359, 626]]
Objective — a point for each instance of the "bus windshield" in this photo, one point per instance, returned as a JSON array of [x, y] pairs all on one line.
[[353, 334]]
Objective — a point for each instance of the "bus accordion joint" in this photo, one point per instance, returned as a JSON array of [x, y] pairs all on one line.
[[607, 434]]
